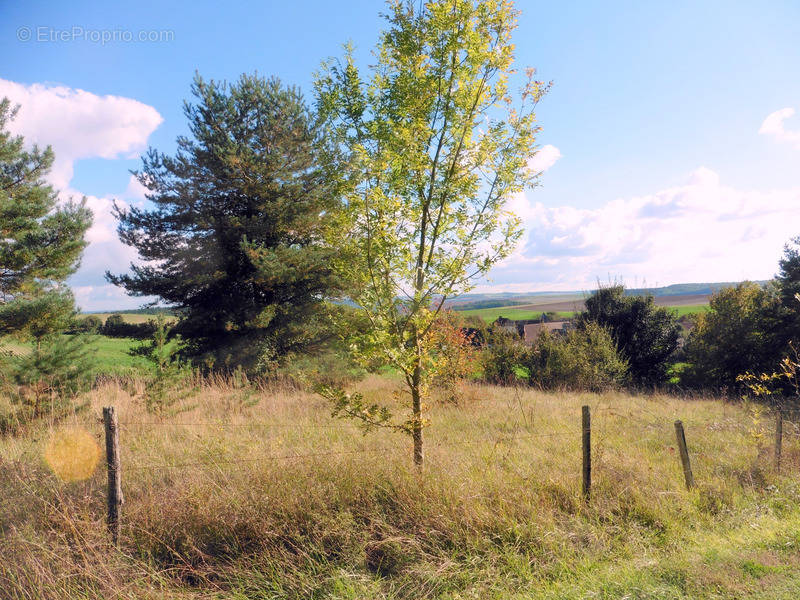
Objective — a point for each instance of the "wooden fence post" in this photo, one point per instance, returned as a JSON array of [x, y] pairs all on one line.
[[778, 438], [587, 452], [115, 498], [687, 467]]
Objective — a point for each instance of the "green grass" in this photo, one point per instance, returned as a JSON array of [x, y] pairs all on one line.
[[690, 309], [113, 358], [489, 315], [274, 499], [111, 355]]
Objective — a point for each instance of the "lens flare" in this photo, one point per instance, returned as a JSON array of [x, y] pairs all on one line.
[[72, 454]]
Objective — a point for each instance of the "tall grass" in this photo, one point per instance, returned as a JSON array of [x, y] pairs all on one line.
[[257, 493]]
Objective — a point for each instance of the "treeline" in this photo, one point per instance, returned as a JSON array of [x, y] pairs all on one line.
[[115, 326]]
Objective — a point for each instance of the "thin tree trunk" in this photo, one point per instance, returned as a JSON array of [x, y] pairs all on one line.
[[416, 407]]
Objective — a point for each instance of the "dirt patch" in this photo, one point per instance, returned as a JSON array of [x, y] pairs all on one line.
[[683, 300]]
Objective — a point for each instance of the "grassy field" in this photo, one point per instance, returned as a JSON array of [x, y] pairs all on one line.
[[489, 315], [691, 309], [113, 358], [111, 354], [259, 494]]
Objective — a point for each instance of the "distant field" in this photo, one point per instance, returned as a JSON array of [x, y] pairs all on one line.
[[113, 358], [491, 314], [112, 354], [690, 309], [127, 317], [683, 305]]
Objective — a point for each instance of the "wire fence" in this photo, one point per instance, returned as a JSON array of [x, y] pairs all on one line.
[[520, 444], [605, 419]]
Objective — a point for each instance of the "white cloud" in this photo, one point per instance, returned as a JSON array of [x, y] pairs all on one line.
[[135, 190], [103, 297], [774, 126], [544, 158], [104, 253], [699, 231], [79, 124]]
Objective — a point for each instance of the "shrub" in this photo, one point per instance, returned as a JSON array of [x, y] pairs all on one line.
[[583, 359], [502, 357], [116, 326], [456, 354], [90, 324], [330, 367]]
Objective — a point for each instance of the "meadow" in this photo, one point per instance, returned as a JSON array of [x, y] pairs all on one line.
[[489, 315], [111, 355], [246, 491]]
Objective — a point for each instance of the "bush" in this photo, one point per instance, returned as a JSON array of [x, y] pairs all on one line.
[[502, 357], [116, 326], [583, 359], [90, 324], [456, 354], [330, 367]]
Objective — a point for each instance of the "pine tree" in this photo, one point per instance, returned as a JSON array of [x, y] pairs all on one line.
[[40, 246], [168, 382], [40, 242], [235, 237]]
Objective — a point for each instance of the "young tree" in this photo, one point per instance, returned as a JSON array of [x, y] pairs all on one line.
[[435, 150], [235, 239], [168, 382], [646, 335]]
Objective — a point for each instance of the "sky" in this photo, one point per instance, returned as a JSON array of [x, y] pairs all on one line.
[[670, 143]]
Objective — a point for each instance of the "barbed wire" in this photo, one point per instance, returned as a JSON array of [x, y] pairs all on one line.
[[268, 458], [255, 424], [605, 420]]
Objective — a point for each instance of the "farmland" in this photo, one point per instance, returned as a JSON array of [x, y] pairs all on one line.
[[258, 493], [565, 308], [111, 355]]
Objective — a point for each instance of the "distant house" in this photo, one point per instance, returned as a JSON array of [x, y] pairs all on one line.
[[532, 330], [507, 324]]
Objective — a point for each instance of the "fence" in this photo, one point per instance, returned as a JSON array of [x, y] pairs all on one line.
[[583, 431]]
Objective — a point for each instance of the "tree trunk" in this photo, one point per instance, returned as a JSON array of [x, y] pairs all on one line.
[[416, 407]]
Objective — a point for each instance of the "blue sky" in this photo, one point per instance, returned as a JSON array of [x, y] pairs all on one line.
[[670, 146]]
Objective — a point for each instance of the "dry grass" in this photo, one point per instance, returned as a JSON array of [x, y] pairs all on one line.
[[259, 494]]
